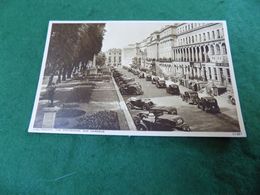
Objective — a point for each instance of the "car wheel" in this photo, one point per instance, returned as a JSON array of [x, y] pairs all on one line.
[[136, 120], [141, 128], [145, 107], [186, 128], [129, 106]]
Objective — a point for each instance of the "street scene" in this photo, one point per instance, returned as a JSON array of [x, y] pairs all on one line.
[[145, 77]]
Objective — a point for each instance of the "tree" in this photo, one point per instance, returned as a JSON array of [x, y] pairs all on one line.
[[101, 59], [72, 45]]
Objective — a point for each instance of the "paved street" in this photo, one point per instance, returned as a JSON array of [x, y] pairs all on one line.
[[197, 119]]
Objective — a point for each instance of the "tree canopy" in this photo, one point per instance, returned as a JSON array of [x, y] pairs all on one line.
[[71, 45]]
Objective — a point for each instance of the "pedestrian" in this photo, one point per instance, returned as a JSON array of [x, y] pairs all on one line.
[[51, 91]]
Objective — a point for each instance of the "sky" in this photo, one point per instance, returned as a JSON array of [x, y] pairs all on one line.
[[119, 35]]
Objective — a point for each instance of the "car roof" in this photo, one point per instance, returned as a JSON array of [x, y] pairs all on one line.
[[170, 117], [174, 85], [169, 108], [209, 98]]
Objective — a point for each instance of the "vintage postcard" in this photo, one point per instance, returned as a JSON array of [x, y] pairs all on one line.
[[147, 78]]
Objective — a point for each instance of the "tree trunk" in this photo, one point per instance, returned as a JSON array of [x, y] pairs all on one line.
[[70, 69], [59, 76], [64, 71]]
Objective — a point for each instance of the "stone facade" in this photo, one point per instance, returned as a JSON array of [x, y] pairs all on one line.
[[186, 50], [114, 57]]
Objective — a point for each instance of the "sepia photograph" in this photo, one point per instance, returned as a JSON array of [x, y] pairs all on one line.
[[138, 78]]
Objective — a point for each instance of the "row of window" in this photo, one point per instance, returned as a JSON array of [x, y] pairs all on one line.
[[114, 53], [210, 75], [188, 27], [166, 32], [198, 38], [109, 59]]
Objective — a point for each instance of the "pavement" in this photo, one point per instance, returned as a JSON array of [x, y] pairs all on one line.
[[104, 97]]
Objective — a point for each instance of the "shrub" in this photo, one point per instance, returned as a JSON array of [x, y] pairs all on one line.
[[106, 120]]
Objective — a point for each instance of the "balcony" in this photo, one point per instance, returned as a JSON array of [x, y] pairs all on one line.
[[219, 58]]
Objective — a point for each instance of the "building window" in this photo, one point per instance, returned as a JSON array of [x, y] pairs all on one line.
[[217, 49], [196, 38], [224, 49], [218, 34], [208, 36], [109, 59], [228, 75], [189, 40], [204, 37], [213, 35], [210, 76], [212, 50], [199, 37], [192, 39], [215, 73]]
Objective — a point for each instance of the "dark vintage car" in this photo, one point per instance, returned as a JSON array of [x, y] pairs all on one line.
[[156, 110], [190, 96], [131, 89], [209, 104], [141, 75], [160, 110], [165, 122], [155, 79], [148, 77], [173, 89], [117, 74], [135, 72], [125, 80], [160, 83], [139, 103]]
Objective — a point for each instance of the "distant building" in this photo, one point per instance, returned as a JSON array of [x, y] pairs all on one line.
[[130, 54], [114, 57]]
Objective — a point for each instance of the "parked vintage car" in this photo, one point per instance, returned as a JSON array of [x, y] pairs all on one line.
[[139, 103], [117, 74], [141, 75], [173, 89], [135, 71], [165, 122], [161, 83], [155, 79], [131, 89], [156, 110], [208, 104], [190, 96], [125, 80], [148, 77], [160, 110]]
